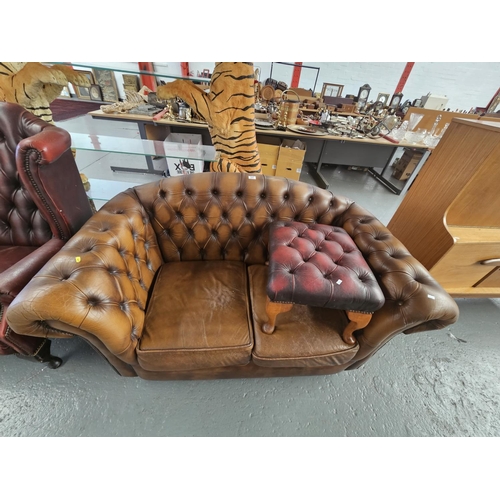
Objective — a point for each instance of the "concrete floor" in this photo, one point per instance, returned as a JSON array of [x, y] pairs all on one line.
[[426, 384]]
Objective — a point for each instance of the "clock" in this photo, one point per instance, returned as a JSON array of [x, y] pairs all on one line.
[[406, 106], [396, 100], [363, 93]]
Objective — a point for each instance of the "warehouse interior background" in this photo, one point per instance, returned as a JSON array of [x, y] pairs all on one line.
[[455, 55]]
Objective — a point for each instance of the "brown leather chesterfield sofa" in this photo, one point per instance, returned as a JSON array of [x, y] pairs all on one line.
[[168, 281], [42, 204]]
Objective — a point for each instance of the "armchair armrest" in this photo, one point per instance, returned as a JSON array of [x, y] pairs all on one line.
[[48, 171], [414, 300], [51, 143], [97, 284], [16, 277]]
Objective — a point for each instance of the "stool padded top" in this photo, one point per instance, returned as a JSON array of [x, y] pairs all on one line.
[[319, 265]]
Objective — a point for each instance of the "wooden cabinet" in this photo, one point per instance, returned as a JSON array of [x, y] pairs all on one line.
[[450, 218]]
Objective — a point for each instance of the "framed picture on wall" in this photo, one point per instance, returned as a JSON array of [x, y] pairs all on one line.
[[105, 78], [331, 90], [84, 92], [95, 93]]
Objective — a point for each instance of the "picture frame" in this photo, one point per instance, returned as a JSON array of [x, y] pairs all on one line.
[[331, 90], [95, 93], [84, 92], [65, 93], [131, 82], [105, 78], [384, 98]]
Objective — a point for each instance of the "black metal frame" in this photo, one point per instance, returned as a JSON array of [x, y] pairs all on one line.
[[299, 66]]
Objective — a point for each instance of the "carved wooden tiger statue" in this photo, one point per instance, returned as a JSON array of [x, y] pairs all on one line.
[[229, 110], [34, 86]]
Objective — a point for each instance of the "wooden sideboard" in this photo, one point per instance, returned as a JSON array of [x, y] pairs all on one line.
[[450, 217]]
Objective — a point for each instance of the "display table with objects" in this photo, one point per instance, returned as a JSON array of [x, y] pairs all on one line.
[[169, 281], [322, 149]]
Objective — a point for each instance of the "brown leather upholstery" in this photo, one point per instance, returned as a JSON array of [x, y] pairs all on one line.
[[42, 203], [106, 274]]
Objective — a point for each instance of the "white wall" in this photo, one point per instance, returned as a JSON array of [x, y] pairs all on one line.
[[466, 84]]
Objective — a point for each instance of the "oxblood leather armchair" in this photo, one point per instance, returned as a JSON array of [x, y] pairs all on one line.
[[168, 281], [42, 204]]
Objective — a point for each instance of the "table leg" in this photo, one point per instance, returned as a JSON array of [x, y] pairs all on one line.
[[149, 159], [272, 310], [314, 170], [388, 184]]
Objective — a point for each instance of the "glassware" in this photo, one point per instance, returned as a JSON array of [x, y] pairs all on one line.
[[399, 133], [414, 120]]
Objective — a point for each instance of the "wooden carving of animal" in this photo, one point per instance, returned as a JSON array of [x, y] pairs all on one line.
[[229, 110], [34, 86]]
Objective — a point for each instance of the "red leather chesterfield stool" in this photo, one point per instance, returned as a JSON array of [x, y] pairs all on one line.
[[319, 265]]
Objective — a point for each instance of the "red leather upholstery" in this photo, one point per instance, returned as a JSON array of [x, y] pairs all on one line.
[[42, 204], [319, 265]]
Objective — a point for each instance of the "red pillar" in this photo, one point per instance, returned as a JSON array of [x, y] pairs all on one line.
[[148, 80], [185, 69], [404, 77], [297, 70]]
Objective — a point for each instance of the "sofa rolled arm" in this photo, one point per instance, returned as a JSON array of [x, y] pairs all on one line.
[[414, 300], [98, 283]]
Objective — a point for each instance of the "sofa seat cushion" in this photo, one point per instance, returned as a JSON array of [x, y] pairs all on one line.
[[198, 316], [305, 336]]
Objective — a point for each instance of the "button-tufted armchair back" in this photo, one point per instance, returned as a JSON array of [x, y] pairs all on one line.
[[21, 222], [42, 203]]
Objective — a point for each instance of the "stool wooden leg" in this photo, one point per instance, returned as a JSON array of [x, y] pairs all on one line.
[[272, 310], [357, 320]]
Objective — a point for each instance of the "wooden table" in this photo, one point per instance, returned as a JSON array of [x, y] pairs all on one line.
[[375, 154]]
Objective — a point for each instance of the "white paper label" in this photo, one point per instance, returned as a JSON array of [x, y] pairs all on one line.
[[252, 177], [431, 297], [339, 282]]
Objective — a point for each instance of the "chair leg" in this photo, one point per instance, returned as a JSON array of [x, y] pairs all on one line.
[[272, 310], [43, 355], [357, 320]]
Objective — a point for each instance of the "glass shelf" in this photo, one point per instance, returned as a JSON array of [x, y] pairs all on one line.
[[104, 190], [144, 147], [135, 72]]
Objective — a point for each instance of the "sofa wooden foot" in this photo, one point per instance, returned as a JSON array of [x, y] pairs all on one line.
[[357, 320], [272, 310]]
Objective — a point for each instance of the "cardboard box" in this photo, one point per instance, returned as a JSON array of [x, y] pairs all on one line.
[[406, 165], [186, 145], [269, 148], [290, 159]]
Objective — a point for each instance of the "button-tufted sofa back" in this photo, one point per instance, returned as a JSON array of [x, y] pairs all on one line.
[[21, 223], [226, 216]]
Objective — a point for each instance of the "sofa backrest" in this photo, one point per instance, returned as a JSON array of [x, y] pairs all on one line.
[[216, 216]]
